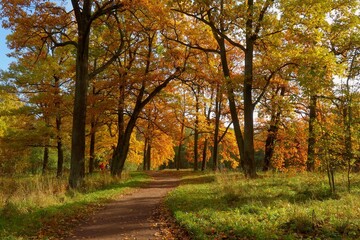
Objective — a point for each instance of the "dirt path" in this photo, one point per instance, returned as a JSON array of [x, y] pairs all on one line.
[[130, 217]]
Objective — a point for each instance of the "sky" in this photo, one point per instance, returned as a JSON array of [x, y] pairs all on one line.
[[4, 60]]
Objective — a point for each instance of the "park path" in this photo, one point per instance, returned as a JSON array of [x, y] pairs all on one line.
[[131, 216]]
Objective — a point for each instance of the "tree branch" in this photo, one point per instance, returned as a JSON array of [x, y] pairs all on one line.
[[272, 73], [261, 17], [106, 8], [213, 28], [224, 133]]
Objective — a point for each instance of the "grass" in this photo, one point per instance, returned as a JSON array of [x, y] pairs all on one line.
[[41, 207], [275, 206]]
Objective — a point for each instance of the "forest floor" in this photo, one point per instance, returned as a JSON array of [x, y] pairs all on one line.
[[139, 215]]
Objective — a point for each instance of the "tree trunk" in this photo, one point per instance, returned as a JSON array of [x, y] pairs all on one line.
[[347, 123], [347, 118], [249, 161], [231, 98], [272, 134], [206, 143], [120, 154], [217, 126], [122, 148], [119, 160], [148, 157], [179, 158], [92, 136], [196, 142], [310, 164], [196, 133], [58, 120], [123, 144], [181, 139], [145, 155], [77, 164], [203, 163], [92, 146], [269, 146], [46, 148], [60, 153], [45, 160]]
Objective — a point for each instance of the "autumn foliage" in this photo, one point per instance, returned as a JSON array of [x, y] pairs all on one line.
[[155, 84]]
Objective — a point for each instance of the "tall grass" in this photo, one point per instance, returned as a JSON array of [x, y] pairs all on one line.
[[275, 206], [31, 191], [39, 191], [27, 203]]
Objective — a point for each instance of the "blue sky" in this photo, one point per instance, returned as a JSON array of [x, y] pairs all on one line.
[[4, 60]]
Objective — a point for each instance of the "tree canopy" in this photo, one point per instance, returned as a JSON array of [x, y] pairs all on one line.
[[255, 85]]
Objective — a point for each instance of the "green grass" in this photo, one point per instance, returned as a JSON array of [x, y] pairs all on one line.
[[42, 207], [275, 206]]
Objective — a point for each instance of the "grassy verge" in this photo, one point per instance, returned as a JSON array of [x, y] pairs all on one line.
[[276, 206], [42, 208]]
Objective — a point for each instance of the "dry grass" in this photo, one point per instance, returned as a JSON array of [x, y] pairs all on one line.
[[27, 202]]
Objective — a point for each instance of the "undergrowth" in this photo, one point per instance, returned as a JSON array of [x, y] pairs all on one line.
[[29, 205], [274, 206]]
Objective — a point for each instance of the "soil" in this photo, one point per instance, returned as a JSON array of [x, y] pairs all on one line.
[[140, 215]]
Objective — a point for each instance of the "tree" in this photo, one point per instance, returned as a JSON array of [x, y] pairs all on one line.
[[42, 82], [13, 152], [343, 36], [85, 13], [273, 129], [145, 68], [49, 22], [157, 129], [242, 31]]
